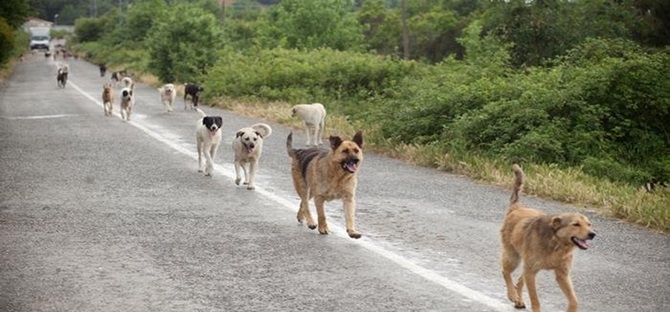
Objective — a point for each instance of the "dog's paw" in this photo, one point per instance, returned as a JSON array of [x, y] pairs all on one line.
[[519, 305], [251, 187], [354, 234], [237, 181], [323, 229], [208, 174]]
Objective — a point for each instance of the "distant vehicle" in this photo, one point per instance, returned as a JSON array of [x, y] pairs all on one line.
[[40, 38]]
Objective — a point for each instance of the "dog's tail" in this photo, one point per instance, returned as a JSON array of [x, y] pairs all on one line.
[[264, 129], [201, 112], [518, 184], [289, 145]]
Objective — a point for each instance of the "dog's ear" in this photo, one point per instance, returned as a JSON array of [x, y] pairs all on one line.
[[335, 142], [219, 120], [239, 134], [358, 138], [258, 133], [556, 222]]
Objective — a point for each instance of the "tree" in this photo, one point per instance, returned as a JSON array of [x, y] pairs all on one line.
[[6, 41], [314, 24], [184, 43], [14, 12]]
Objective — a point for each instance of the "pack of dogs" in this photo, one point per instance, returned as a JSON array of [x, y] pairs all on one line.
[[529, 237]]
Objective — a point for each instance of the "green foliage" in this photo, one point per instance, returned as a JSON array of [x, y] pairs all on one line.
[[183, 44], [6, 41], [138, 20], [314, 24], [606, 100], [14, 12], [320, 75], [93, 29]]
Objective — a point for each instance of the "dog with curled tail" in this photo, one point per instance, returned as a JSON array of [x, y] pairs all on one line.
[[248, 146], [208, 138], [314, 117]]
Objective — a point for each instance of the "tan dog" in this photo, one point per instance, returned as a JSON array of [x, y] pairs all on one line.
[[108, 98], [248, 146], [542, 242], [327, 174], [314, 117], [167, 92]]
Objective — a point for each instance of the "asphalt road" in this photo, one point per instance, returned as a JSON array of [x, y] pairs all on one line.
[[98, 214]]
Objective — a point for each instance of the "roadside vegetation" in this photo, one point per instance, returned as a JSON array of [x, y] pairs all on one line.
[[577, 92]]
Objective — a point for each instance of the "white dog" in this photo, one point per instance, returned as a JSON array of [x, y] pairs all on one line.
[[167, 94], [208, 138], [248, 146], [127, 103], [314, 116]]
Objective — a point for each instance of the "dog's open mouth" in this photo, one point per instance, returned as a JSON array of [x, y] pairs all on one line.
[[350, 164], [250, 149], [581, 243]]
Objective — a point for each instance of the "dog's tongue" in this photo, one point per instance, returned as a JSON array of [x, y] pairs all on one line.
[[582, 243], [351, 167], [249, 149]]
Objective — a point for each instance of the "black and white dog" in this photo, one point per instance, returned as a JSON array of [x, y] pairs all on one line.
[[61, 76], [194, 91], [208, 138], [127, 103]]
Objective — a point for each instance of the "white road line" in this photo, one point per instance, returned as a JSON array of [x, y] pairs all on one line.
[[337, 230], [37, 117]]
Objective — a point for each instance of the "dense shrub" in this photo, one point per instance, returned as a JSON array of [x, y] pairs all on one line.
[[183, 44], [606, 100], [6, 41], [307, 76]]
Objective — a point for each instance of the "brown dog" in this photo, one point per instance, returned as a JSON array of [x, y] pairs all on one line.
[[107, 98], [327, 174], [543, 242]]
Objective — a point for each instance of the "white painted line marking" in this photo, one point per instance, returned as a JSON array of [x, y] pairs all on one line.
[[38, 117], [336, 230]]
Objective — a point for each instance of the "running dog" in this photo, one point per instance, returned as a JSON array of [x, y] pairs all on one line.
[[248, 146], [314, 117], [208, 138], [167, 94], [107, 98], [194, 91], [127, 103], [327, 174], [542, 242], [61, 76], [103, 69]]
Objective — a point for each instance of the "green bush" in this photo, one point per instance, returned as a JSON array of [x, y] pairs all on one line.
[[323, 75], [6, 41], [183, 44]]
